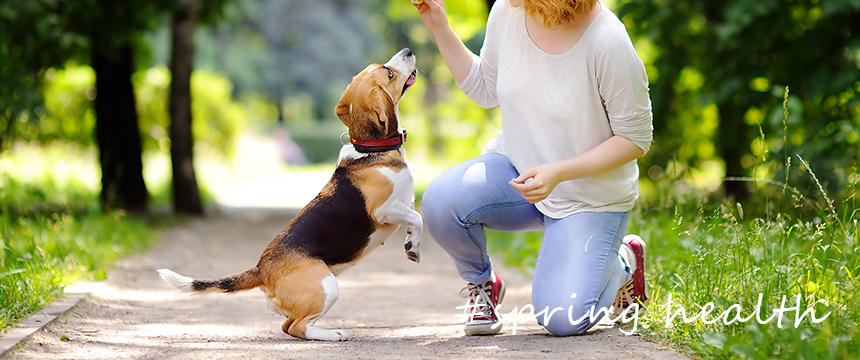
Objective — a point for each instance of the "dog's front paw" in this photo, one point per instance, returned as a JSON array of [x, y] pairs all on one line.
[[412, 251]]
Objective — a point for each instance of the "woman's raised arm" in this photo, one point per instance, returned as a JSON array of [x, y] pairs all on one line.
[[456, 55], [476, 76]]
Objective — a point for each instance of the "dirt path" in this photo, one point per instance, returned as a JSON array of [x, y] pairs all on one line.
[[391, 307]]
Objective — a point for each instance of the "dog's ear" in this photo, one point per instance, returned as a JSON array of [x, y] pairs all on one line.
[[342, 111], [386, 114], [371, 116]]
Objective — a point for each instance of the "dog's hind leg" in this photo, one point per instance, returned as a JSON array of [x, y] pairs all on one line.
[[307, 295], [285, 327]]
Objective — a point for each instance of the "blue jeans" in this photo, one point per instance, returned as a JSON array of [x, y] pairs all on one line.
[[578, 267]]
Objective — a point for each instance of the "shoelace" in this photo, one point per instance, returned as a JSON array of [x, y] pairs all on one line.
[[624, 297], [480, 300]]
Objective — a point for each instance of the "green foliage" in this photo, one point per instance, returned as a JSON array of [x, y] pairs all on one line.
[[284, 49], [68, 114], [30, 41], [730, 60], [442, 122], [51, 235], [451, 129], [703, 250], [701, 253], [216, 117], [320, 143], [40, 34]]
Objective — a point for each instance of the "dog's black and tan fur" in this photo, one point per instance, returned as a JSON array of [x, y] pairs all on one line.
[[367, 199]]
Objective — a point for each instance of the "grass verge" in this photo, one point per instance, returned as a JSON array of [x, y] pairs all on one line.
[[702, 253], [53, 234]]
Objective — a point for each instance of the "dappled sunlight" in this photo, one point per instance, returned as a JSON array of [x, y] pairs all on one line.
[[255, 176], [747, 187], [63, 164]]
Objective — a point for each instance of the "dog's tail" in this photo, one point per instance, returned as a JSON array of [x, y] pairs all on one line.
[[245, 280]]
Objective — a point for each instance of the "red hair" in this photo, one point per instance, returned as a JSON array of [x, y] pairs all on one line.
[[557, 12]]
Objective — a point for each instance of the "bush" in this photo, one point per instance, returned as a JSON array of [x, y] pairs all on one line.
[[68, 113], [217, 118], [319, 142]]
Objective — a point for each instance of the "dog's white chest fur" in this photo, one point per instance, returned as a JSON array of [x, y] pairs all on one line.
[[394, 208], [403, 191]]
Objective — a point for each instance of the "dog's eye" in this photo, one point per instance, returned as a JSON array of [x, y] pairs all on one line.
[[390, 73]]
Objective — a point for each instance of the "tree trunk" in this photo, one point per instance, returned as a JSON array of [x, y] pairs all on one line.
[[732, 142], [186, 196], [117, 132], [8, 122]]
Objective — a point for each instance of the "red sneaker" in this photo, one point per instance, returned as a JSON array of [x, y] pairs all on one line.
[[636, 289], [480, 311]]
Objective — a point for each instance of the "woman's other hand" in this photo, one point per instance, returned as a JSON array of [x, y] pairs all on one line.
[[537, 183], [432, 14]]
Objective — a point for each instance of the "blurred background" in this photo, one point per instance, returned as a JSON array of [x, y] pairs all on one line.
[[260, 79], [160, 108]]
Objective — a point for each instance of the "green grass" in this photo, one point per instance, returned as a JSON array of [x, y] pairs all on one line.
[[702, 250], [53, 234]]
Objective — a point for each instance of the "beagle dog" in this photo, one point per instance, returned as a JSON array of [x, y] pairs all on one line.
[[366, 201]]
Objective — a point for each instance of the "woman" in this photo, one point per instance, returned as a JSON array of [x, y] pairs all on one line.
[[573, 97]]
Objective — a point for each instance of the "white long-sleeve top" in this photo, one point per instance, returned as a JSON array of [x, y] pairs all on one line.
[[557, 106]]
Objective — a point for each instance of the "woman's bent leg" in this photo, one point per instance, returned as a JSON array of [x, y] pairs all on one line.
[[578, 270], [465, 198]]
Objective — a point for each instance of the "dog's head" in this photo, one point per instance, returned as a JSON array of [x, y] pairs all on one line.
[[368, 106]]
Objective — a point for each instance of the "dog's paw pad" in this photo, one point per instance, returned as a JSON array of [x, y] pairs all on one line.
[[408, 245], [413, 255]]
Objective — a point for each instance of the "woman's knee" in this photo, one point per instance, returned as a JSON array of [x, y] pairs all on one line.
[[566, 318], [452, 190], [439, 199], [559, 327]]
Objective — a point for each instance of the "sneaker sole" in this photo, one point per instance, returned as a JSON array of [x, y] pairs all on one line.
[[488, 328]]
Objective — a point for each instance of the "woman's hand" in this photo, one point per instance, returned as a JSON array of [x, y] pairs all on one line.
[[608, 155], [432, 14], [543, 178]]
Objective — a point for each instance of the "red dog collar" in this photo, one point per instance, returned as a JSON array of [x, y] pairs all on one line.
[[380, 145]]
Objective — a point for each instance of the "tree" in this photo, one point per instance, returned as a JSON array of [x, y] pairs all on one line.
[[29, 43], [738, 55], [186, 196], [39, 34], [112, 28], [117, 132]]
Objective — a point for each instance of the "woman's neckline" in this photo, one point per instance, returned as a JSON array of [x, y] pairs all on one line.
[[572, 46]]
